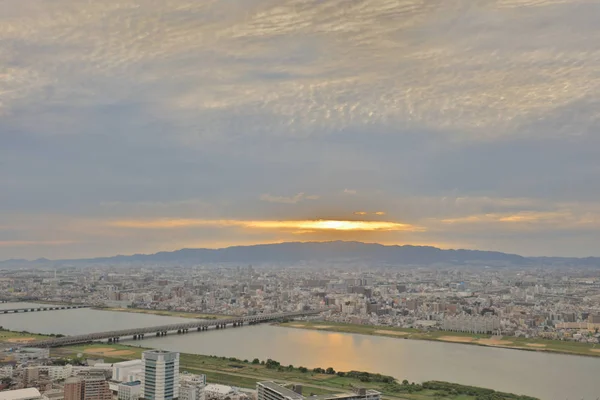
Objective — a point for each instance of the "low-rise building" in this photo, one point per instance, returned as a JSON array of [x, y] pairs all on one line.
[[218, 392], [130, 390], [274, 391], [127, 371], [58, 372], [25, 354], [6, 371], [472, 323]]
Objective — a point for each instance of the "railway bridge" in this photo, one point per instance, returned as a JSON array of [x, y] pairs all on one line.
[[163, 330], [39, 308]]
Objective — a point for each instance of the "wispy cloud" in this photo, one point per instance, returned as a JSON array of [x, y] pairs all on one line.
[[21, 243], [288, 200], [350, 191], [521, 217]]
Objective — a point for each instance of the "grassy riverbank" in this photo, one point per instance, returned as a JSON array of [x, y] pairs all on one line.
[[165, 313], [10, 337], [245, 373], [555, 346]]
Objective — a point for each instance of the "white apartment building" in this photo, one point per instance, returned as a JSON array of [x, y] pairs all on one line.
[[127, 371], [160, 375], [58, 372], [488, 324]]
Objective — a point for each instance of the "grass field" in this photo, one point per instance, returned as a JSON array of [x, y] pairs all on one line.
[[18, 337], [556, 346], [180, 314], [245, 373]]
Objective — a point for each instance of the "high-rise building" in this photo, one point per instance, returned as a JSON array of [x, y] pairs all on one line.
[[92, 386], [160, 373], [73, 388]]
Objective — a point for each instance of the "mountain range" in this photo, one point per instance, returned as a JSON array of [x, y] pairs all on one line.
[[294, 252]]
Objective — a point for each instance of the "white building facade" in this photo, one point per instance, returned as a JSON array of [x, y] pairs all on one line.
[[127, 371], [160, 371]]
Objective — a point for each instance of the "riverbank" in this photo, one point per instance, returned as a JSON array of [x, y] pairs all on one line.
[[15, 338], [509, 342], [165, 313], [245, 373]]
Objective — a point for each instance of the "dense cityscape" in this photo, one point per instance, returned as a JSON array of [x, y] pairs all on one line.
[[555, 303], [501, 303]]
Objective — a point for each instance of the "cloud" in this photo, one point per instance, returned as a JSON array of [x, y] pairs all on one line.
[[360, 213], [288, 200], [20, 243], [379, 213], [564, 220], [308, 225], [212, 110]]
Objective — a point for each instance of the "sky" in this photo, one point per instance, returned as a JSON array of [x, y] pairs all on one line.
[[135, 127]]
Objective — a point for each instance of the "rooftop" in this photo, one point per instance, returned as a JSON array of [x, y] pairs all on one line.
[[20, 394], [216, 388], [334, 396], [134, 383], [282, 390]]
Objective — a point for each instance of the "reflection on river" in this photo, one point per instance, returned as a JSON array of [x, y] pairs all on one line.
[[547, 376]]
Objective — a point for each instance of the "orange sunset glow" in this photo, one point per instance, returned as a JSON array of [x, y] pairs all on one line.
[[303, 225]]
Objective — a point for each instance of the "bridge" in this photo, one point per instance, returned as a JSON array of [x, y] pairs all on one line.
[[39, 308], [181, 328]]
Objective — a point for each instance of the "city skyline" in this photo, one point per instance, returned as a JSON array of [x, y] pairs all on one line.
[[136, 128]]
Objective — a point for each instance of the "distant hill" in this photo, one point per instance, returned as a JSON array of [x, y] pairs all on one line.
[[293, 252]]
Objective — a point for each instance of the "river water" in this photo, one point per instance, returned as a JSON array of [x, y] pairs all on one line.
[[547, 376]]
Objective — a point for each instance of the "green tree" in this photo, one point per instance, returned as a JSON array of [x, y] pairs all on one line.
[[256, 361]]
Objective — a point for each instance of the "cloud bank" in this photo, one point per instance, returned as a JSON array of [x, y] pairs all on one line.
[[475, 121]]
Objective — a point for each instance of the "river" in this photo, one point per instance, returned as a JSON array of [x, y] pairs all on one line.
[[547, 376]]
